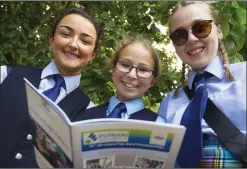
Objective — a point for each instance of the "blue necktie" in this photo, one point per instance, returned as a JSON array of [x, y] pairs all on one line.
[[190, 153], [54, 92], [116, 113]]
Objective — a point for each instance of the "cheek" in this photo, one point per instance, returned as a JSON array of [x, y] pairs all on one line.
[[115, 76], [180, 52], [146, 84], [212, 45], [84, 50], [59, 42]]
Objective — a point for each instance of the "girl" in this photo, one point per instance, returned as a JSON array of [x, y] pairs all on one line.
[[74, 43], [135, 67], [196, 34]]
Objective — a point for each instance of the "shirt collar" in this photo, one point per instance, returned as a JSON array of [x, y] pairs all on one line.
[[215, 68], [132, 106], [71, 82]]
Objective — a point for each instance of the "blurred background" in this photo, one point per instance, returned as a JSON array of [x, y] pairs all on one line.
[[25, 28]]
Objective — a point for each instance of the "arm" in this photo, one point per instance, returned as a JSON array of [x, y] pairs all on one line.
[[160, 119], [163, 108]]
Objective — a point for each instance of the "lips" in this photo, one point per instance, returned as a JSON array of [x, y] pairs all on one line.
[[195, 51], [70, 55], [129, 85]]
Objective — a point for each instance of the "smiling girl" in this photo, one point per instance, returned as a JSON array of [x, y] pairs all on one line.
[[74, 43], [197, 37], [135, 66]]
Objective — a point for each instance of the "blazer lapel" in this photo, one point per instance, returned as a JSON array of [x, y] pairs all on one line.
[[74, 102]]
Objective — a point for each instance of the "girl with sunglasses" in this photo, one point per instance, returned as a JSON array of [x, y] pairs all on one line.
[[196, 34], [135, 66]]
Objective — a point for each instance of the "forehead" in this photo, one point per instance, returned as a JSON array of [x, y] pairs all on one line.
[[137, 53], [78, 22], [185, 16]]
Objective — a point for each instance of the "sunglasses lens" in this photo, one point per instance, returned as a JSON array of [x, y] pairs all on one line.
[[202, 29], [179, 36]]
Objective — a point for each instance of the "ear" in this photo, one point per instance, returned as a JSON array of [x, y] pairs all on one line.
[[51, 40], [93, 56]]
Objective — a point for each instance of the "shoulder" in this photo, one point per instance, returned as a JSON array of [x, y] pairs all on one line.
[[171, 103], [150, 112], [96, 112], [238, 70], [99, 107], [170, 97], [92, 113], [22, 68]]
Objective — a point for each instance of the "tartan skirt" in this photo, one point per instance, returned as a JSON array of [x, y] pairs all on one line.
[[217, 156]]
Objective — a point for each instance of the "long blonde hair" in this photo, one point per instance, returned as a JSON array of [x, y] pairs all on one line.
[[221, 49]]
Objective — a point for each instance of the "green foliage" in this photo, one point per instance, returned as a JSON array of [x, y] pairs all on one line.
[[25, 28], [233, 21]]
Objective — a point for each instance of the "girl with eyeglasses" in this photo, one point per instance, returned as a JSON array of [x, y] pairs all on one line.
[[196, 34], [135, 66]]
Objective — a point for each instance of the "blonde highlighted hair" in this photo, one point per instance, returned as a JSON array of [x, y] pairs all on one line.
[[221, 48], [140, 40]]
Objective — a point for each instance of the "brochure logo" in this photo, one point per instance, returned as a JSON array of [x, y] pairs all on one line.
[[158, 138], [92, 137], [106, 136]]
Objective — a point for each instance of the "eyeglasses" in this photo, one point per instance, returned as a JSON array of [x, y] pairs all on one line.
[[200, 29], [140, 71]]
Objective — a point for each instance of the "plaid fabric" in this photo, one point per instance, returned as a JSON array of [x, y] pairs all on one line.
[[217, 156]]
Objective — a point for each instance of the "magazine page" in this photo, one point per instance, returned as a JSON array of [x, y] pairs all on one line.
[[118, 143], [53, 137]]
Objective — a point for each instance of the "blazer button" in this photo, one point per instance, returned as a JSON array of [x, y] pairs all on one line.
[[29, 137], [18, 156]]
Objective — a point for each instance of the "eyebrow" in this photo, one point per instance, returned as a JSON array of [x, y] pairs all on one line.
[[139, 64], [84, 34], [192, 23]]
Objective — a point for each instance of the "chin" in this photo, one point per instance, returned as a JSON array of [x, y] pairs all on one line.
[[199, 67]]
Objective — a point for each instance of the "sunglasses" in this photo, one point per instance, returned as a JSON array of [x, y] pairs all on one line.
[[200, 29]]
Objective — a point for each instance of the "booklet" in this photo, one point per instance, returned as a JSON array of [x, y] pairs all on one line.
[[99, 143]]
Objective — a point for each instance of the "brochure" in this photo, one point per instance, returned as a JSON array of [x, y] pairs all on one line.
[[99, 143]]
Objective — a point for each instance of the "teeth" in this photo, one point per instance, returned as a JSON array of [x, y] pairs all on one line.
[[70, 54], [129, 85], [194, 52]]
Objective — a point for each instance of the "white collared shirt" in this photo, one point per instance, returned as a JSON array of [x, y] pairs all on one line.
[[228, 96], [47, 82]]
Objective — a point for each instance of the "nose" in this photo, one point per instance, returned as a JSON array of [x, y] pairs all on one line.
[[73, 44], [191, 37], [132, 73]]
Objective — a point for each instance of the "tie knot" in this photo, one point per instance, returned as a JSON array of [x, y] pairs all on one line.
[[59, 80], [116, 113], [121, 106], [200, 79]]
